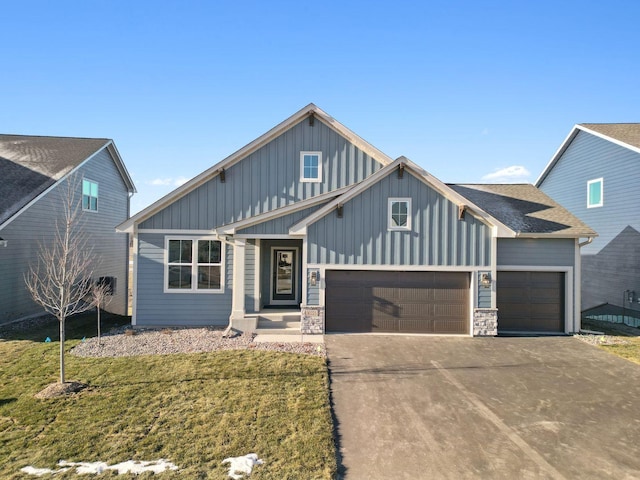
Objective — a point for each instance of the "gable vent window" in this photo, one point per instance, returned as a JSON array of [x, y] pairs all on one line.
[[399, 214], [311, 167], [89, 195], [595, 197]]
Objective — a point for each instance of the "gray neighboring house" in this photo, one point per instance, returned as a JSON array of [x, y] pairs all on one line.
[[314, 223], [594, 174], [35, 173]]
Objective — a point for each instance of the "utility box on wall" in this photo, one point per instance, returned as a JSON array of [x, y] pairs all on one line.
[[109, 283]]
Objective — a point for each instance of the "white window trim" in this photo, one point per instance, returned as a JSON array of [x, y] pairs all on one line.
[[194, 264], [311, 180], [591, 182], [390, 225], [82, 196]]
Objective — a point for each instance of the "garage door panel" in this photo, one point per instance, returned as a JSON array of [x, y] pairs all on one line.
[[530, 301], [398, 301], [441, 325]]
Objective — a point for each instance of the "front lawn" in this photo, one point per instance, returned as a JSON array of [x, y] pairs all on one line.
[[625, 340], [192, 409]]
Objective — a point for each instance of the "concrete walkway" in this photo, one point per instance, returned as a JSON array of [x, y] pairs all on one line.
[[288, 338], [452, 408]]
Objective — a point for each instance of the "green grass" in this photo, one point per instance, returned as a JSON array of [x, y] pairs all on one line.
[[193, 410], [630, 349]]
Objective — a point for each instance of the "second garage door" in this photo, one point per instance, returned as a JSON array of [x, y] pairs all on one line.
[[530, 301], [403, 302]]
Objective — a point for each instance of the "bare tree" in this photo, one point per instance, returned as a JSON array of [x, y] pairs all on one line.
[[60, 278], [100, 297]]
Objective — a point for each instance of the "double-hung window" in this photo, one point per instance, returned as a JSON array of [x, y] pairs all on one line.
[[194, 265], [311, 166], [595, 191], [399, 213], [89, 195]]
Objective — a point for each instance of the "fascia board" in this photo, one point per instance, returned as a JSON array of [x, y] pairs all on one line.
[[556, 156], [251, 147], [556, 235], [51, 187], [231, 228], [122, 169], [610, 139]]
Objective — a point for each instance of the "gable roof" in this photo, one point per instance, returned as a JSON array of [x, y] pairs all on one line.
[[626, 135], [525, 210], [431, 181], [310, 110], [30, 165]]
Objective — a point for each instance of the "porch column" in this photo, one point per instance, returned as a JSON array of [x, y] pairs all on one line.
[[237, 294]]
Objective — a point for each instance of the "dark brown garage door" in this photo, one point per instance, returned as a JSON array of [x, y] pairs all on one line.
[[530, 301], [403, 302]]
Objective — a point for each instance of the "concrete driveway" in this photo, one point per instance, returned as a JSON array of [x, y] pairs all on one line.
[[441, 407]]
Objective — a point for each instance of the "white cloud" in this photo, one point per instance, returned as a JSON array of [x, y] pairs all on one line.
[[508, 174], [160, 182], [165, 182]]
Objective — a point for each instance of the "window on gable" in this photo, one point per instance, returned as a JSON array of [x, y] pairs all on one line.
[[595, 196], [194, 265], [311, 166], [399, 213], [89, 195]]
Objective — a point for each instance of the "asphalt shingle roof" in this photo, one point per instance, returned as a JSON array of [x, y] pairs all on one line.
[[524, 209], [628, 133], [30, 164]]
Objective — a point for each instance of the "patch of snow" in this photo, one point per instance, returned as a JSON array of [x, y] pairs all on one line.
[[239, 466], [38, 472], [95, 468]]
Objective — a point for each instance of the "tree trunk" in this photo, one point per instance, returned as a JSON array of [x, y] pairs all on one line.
[[98, 307], [62, 350]]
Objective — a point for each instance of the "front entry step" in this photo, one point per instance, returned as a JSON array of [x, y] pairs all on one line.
[[285, 322]]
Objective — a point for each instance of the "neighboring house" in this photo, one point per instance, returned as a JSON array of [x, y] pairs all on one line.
[[310, 217], [594, 174], [35, 174]]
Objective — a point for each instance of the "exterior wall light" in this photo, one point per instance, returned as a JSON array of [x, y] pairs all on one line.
[[3, 242], [485, 279]]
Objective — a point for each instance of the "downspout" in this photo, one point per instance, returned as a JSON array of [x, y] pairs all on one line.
[[577, 317], [586, 242]]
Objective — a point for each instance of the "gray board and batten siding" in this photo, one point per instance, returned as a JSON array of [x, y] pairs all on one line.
[[267, 179], [156, 308], [36, 225], [610, 262], [437, 237], [279, 225], [587, 158], [536, 252]]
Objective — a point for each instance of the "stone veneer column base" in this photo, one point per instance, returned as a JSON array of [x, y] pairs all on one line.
[[311, 319], [485, 322]]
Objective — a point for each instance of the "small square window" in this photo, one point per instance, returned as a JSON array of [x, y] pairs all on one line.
[[310, 166], [89, 195], [399, 214], [595, 197]]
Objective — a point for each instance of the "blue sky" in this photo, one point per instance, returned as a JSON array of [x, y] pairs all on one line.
[[466, 89]]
